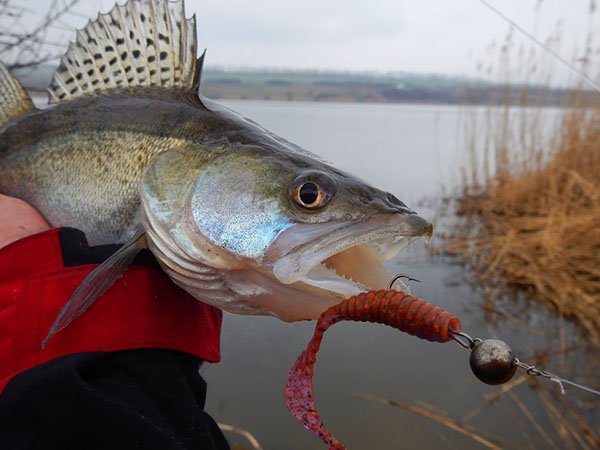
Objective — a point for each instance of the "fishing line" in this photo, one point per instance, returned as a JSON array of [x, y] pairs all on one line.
[[469, 343], [548, 50]]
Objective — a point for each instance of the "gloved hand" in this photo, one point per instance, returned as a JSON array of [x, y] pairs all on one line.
[[124, 376], [18, 220]]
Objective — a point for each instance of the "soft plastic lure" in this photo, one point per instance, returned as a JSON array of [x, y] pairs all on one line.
[[394, 308]]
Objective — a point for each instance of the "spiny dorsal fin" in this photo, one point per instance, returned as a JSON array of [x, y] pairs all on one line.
[[14, 101], [140, 43]]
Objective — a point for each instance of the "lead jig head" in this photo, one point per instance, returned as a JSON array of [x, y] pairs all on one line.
[[492, 361]]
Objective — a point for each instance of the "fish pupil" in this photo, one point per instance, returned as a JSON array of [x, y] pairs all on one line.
[[309, 193]]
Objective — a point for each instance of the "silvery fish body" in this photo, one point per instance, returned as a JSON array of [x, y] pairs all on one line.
[[239, 217]]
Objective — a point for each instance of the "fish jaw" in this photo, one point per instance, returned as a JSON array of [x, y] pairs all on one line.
[[349, 259], [334, 261]]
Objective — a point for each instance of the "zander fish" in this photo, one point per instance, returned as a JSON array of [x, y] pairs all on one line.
[[132, 153]]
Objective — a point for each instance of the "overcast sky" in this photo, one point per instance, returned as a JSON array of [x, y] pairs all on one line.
[[426, 36]]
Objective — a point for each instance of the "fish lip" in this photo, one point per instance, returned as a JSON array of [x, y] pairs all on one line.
[[296, 265]]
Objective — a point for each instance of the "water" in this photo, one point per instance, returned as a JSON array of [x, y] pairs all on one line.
[[413, 151]]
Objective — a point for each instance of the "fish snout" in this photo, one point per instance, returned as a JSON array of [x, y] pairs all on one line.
[[415, 225]]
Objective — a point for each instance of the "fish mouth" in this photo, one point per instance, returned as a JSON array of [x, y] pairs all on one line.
[[348, 259]]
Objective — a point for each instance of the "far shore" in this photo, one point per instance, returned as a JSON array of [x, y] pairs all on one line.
[[359, 88]]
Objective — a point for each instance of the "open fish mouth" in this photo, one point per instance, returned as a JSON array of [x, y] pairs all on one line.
[[349, 259]]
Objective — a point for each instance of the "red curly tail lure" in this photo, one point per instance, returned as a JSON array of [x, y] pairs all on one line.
[[394, 308]]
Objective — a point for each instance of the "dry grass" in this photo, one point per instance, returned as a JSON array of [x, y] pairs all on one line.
[[530, 196], [529, 221], [534, 221]]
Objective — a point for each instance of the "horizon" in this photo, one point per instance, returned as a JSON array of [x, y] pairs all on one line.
[[47, 69]]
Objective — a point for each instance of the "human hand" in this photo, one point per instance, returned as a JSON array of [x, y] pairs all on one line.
[[18, 220]]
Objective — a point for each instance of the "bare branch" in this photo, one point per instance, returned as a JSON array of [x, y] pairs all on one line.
[[21, 47]]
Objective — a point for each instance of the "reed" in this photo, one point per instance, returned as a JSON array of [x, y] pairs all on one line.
[[534, 220], [530, 192]]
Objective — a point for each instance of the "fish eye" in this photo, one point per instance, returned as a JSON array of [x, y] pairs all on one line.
[[312, 190]]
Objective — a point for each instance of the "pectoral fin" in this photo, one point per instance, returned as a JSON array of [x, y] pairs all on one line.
[[100, 280]]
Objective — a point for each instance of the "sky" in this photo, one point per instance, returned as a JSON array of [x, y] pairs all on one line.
[[451, 37]]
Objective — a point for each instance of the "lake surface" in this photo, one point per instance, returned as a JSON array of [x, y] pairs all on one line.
[[414, 152]]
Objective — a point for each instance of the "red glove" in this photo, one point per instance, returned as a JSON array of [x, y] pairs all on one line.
[[144, 309]]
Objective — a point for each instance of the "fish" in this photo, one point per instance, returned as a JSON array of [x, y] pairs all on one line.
[[130, 152]]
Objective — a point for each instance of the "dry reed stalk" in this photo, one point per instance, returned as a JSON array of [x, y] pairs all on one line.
[[532, 420], [569, 435], [244, 433], [495, 396], [442, 418]]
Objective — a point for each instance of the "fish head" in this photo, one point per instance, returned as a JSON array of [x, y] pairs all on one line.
[[254, 231]]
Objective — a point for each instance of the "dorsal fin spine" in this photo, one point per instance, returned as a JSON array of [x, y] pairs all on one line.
[[59, 82], [191, 47], [171, 33], [80, 58], [198, 77], [103, 27], [136, 18], [116, 77], [120, 11], [154, 33]]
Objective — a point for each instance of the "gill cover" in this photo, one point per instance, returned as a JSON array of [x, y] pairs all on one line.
[[221, 211], [208, 224]]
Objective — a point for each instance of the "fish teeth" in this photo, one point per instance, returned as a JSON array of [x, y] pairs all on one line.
[[341, 275]]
